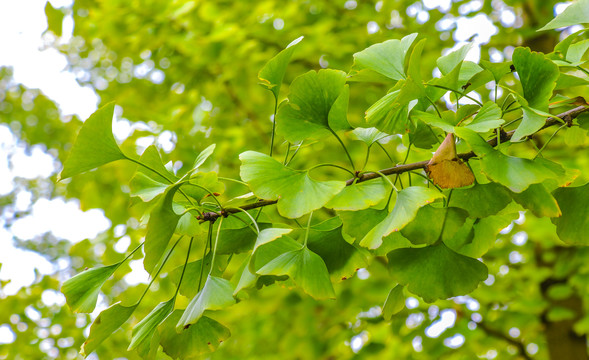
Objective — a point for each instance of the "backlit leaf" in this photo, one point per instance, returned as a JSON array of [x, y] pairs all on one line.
[[488, 117], [145, 329], [576, 13], [95, 144], [538, 200], [408, 202], [318, 101], [306, 268], [515, 173], [394, 303], [296, 192], [359, 196], [216, 294], [105, 324], [272, 73], [81, 291], [427, 226], [481, 200]]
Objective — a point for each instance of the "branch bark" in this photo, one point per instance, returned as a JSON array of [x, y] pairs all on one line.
[[567, 116]]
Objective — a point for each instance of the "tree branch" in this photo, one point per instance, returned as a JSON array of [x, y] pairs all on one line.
[[498, 334], [568, 116]]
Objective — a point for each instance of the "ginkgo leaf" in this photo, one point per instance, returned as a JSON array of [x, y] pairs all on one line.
[[272, 73], [341, 258], [573, 226], [202, 337], [216, 294], [192, 273], [436, 272], [432, 224], [306, 268], [538, 200], [408, 202], [81, 291], [105, 324], [477, 236], [498, 70], [95, 144], [576, 13], [359, 196], [386, 58], [267, 235], [146, 183], [515, 173], [160, 228], [446, 169], [488, 118], [369, 135], [203, 156], [394, 303], [317, 104], [296, 192], [357, 224], [145, 329], [481, 200]]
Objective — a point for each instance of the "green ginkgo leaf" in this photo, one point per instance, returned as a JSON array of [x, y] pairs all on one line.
[[538, 200], [145, 329], [95, 144], [573, 226], [477, 236], [267, 235], [394, 303], [481, 200], [515, 173], [297, 193], [369, 135], [359, 196], [386, 58], [488, 117], [272, 73], [356, 224], [317, 105], [160, 228], [148, 183], [192, 273], [216, 294], [577, 13], [498, 70], [81, 291], [105, 324], [306, 268], [432, 224], [341, 258], [436, 272], [408, 202], [202, 337], [203, 156]]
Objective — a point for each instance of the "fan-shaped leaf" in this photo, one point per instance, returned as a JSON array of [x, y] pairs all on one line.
[[359, 196], [394, 303], [145, 329], [81, 291], [95, 144], [272, 73], [576, 13], [436, 272], [296, 192], [216, 294], [573, 226], [107, 322]]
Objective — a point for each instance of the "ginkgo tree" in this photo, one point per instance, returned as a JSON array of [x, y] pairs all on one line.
[[430, 222]]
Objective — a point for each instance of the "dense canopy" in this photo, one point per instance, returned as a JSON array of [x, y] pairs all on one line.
[[311, 180]]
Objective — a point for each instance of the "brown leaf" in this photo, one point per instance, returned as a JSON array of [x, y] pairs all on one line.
[[445, 169]]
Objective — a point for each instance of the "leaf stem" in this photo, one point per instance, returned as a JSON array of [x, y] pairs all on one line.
[[184, 268], [549, 140], [385, 151], [308, 228], [232, 180], [209, 192], [428, 180], [457, 92], [295, 153], [366, 158], [160, 269], [273, 125], [386, 179], [216, 243], [332, 165], [345, 149], [204, 253], [257, 229]]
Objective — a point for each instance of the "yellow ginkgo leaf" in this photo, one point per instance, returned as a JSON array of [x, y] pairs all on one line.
[[445, 169]]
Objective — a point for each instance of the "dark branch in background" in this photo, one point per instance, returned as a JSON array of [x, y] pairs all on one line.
[[567, 116], [521, 348]]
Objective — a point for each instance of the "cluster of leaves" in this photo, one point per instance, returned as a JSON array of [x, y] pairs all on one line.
[[432, 233]]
